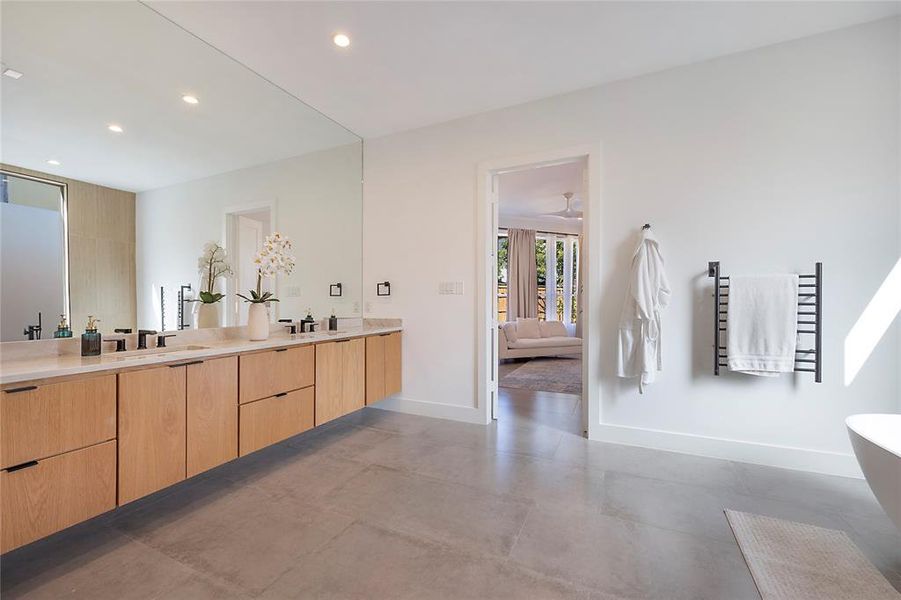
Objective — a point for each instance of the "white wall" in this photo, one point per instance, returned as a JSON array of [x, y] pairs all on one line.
[[317, 201], [767, 160]]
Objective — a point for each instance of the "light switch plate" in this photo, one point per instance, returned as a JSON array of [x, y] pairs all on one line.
[[292, 291], [450, 288]]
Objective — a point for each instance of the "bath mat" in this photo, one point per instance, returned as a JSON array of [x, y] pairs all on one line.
[[794, 561], [562, 375]]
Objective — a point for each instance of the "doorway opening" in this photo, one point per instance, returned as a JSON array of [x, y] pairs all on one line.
[[245, 231], [539, 339]]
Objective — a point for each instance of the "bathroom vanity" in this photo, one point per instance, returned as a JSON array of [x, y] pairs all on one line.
[[81, 436]]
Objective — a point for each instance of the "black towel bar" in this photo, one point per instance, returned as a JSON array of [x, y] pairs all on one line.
[[805, 298]]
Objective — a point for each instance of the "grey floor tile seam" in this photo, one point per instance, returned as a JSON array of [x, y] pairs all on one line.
[[388, 526], [193, 570], [321, 548]]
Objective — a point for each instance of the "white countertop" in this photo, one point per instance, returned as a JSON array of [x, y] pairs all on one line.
[[43, 367]]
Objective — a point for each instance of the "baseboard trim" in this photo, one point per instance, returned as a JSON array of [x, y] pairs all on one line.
[[786, 457], [467, 414]]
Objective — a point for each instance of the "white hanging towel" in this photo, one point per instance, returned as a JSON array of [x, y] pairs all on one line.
[[639, 328], [762, 324]]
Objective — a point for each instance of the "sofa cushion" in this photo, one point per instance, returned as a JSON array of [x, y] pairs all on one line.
[[509, 331], [548, 342], [527, 328], [552, 329]]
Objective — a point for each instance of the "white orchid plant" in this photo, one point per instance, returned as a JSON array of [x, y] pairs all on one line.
[[273, 258], [212, 264]]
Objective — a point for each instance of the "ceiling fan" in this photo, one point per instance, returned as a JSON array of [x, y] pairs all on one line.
[[569, 212]]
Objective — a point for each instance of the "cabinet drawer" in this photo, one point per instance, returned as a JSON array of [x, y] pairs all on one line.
[[383, 366], [271, 420], [56, 493], [55, 418], [266, 374], [212, 414], [340, 378], [152, 430]]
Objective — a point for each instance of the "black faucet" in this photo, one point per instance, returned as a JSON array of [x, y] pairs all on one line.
[[34, 331], [122, 330], [161, 339], [120, 343], [290, 324], [142, 337]]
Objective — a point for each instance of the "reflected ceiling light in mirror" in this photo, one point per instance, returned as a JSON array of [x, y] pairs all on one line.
[[189, 99], [53, 162], [12, 73], [115, 128], [341, 40]]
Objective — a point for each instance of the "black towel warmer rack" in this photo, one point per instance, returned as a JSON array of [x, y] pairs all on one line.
[[810, 304]]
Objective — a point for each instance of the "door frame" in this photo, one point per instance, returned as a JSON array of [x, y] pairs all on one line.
[[486, 272], [229, 236]]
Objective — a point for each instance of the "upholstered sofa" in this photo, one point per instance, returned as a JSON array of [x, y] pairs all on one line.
[[529, 338]]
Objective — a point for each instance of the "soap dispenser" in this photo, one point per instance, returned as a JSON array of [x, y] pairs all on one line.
[[91, 338], [62, 329], [333, 322]]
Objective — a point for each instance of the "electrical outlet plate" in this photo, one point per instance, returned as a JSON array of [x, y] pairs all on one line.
[[292, 291]]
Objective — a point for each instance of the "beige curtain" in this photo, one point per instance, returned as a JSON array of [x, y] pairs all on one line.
[[522, 274], [580, 273]]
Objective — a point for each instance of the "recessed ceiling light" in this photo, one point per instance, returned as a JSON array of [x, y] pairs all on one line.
[[341, 40], [53, 162], [190, 99], [12, 73], [115, 128]]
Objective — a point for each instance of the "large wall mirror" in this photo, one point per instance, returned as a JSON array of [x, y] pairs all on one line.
[[130, 149]]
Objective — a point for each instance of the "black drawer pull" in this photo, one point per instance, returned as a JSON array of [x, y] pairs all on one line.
[[341, 341], [25, 465], [193, 362], [282, 394], [27, 388], [281, 350], [384, 334]]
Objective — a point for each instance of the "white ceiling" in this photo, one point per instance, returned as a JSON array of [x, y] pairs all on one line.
[[537, 192], [412, 64], [88, 64]]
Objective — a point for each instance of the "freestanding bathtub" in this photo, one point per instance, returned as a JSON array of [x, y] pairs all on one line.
[[877, 443]]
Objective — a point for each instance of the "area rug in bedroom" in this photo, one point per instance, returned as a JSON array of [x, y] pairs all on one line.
[[562, 375]]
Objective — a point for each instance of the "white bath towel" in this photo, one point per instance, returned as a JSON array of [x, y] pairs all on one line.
[[762, 324]]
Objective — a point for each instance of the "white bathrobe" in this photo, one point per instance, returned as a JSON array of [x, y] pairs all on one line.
[[639, 326]]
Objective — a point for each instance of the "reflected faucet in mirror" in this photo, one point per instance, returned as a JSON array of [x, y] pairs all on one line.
[[33, 332]]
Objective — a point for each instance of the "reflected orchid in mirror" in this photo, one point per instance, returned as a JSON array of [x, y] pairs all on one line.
[[273, 258], [212, 264]]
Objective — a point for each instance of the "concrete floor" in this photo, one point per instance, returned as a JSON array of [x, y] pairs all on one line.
[[386, 505]]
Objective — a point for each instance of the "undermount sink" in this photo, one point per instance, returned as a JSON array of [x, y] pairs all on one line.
[[151, 352]]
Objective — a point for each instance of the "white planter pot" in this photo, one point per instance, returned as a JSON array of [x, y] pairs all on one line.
[[258, 322], [207, 315]]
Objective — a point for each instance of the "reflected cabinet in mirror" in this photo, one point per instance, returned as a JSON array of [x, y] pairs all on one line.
[[150, 182]]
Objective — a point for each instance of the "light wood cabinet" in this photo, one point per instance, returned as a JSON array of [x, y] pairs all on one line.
[[152, 424], [45, 420], [340, 378], [57, 492], [265, 374], [212, 414], [383, 366], [271, 420]]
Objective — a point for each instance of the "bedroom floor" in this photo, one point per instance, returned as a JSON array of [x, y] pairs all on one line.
[[387, 505]]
